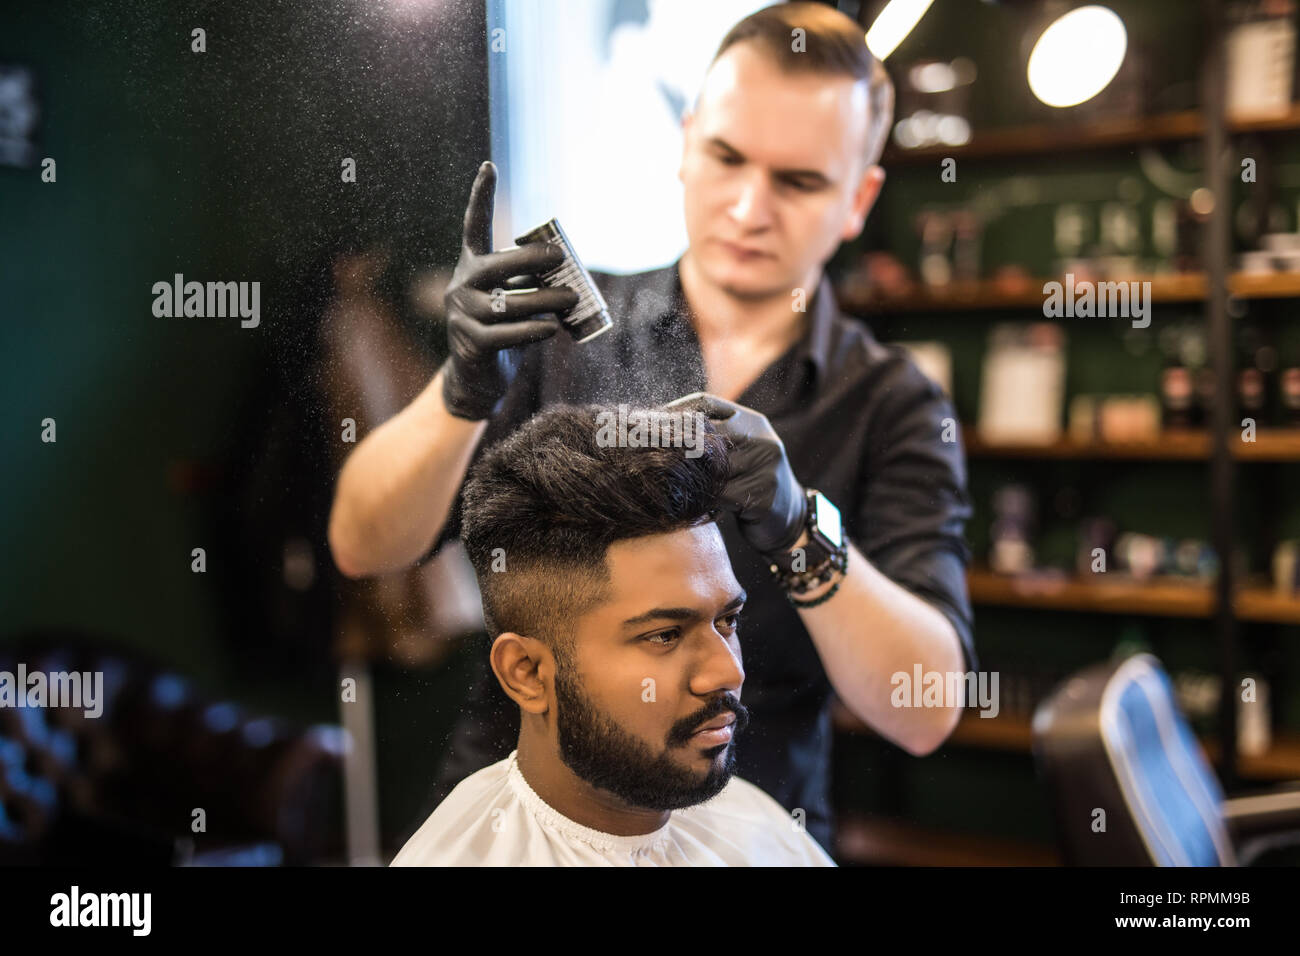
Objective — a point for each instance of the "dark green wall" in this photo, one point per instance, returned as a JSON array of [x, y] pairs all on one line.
[[221, 166]]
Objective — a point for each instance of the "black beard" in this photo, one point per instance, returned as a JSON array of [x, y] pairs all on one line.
[[606, 756]]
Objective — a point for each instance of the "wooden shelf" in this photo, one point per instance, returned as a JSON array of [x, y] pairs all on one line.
[[874, 841], [1175, 445], [1045, 138], [974, 295], [1271, 444], [1015, 735], [1109, 594], [1266, 605], [1119, 594], [981, 733], [1280, 762]]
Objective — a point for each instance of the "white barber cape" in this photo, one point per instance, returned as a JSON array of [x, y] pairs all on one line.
[[494, 818]]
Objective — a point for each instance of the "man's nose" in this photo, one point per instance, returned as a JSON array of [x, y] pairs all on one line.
[[752, 207], [720, 668]]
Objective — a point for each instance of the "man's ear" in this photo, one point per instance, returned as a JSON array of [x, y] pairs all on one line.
[[873, 178], [525, 668]]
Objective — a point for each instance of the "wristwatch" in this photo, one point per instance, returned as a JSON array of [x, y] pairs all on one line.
[[825, 551]]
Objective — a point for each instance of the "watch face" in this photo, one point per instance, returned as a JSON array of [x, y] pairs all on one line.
[[828, 520]]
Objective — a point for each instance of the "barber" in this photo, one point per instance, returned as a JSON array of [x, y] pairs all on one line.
[[848, 504]]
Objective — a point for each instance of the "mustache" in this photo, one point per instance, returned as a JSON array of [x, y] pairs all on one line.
[[726, 703]]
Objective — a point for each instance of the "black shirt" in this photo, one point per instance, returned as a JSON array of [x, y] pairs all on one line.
[[860, 423]]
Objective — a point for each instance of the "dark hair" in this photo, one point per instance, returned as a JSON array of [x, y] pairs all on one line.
[[833, 43], [554, 496]]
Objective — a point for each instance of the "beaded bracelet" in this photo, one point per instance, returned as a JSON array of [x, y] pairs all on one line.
[[838, 562], [815, 601]]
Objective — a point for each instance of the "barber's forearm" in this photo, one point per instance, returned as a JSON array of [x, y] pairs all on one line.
[[871, 629], [396, 489]]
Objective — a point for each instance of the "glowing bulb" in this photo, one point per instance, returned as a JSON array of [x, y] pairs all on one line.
[[893, 25], [1077, 56]]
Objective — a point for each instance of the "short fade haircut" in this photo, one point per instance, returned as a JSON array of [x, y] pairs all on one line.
[[834, 45], [553, 500]]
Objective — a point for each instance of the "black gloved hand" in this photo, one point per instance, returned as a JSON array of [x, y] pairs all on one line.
[[761, 488], [484, 325]]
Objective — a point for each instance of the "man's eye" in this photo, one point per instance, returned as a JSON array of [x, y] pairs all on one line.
[[802, 185], [732, 620], [728, 160], [662, 638]]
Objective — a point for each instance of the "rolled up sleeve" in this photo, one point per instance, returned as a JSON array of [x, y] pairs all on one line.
[[914, 504]]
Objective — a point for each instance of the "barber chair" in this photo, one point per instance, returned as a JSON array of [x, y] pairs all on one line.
[[1114, 749]]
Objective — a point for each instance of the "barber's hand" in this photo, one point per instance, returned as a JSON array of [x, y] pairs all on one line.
[[761, 488], [483, 324]]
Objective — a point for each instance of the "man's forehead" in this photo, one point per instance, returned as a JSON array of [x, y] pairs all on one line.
[[795, 120], [686, 566]]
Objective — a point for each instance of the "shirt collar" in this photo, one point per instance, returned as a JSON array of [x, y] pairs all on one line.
[[669, 306], [817, 342]]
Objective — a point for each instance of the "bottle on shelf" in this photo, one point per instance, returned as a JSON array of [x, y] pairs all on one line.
[[1288, 394], [1012, 530], [1203, 381], [1177, 405], [1256, 363]]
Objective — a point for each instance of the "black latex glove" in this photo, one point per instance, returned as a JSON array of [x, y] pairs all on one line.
[[484, 329], [761, 488]]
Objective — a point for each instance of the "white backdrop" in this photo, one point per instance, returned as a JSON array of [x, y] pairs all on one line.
[[586, 99]]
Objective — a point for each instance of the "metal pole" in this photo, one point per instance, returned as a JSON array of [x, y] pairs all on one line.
[[1222, 470], [360, 789]]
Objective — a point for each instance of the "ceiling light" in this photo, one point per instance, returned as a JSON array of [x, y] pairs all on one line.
[[1077, 56]]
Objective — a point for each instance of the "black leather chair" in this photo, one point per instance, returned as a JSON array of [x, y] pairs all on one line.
[[1115, 751], [123, 787]]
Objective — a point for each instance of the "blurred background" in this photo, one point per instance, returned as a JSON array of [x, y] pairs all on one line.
[[167, 480]]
